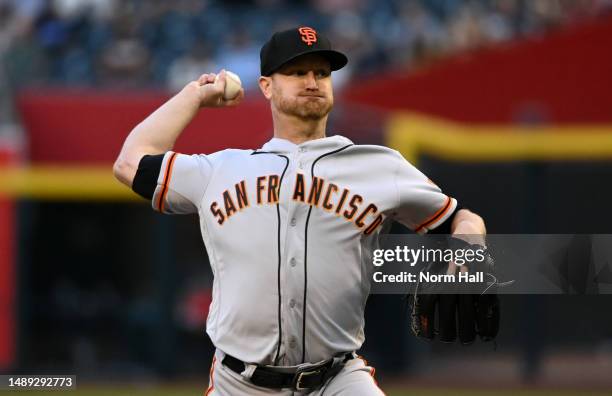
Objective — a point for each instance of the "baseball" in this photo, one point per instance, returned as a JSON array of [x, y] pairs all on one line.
[[232, 85]]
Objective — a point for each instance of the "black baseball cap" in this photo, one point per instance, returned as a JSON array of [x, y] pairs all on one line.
[[289, 44]]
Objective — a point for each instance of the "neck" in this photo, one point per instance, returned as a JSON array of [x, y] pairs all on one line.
[[298, 130]]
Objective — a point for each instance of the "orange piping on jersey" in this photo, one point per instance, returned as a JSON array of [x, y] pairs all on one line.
[[372, 372], [166, 183], [212, 380], [440, 213]]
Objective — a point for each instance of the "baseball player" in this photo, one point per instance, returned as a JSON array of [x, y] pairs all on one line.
[[289, 227]]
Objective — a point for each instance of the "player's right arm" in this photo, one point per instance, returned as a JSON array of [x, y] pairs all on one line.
[[157, 133]]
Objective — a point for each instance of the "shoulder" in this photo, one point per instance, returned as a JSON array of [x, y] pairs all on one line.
[[227, 154], [239, 157], [375, 155], [373, 149], [233, 153]]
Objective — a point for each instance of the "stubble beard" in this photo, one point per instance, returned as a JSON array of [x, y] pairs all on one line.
[[308, 109]]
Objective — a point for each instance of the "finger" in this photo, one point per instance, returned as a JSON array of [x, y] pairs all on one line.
[[220, 81], [237, 99], [203, 79], [447, 320], [424, 316], [466, 318], [488, 316]]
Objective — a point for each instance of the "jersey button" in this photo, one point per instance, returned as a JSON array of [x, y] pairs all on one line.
[[292, 343], [293, 222], [302, 150], [292, 261], [292, 303]]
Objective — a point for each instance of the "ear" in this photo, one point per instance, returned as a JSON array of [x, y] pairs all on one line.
[[265, 85]]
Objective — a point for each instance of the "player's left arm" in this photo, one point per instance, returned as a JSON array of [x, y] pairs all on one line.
[[424, 208]]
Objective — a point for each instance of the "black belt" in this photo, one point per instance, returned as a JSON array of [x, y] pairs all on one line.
[[309, 377]]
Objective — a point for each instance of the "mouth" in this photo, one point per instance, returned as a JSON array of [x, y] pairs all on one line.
[[312, 96]]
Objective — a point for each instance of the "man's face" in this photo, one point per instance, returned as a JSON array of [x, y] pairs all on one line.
[[301, 88]]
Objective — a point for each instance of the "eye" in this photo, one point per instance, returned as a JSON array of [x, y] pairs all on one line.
[[323, 73], [295, 72]]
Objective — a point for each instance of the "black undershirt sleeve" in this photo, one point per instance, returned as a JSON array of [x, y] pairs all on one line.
[[145, 180], [445, 228]]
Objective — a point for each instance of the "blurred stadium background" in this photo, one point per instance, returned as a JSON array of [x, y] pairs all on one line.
[[507, 104]]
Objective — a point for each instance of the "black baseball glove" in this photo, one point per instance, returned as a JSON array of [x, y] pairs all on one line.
[[468, 313]]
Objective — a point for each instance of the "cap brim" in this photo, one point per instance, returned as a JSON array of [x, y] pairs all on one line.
[[337, 60]]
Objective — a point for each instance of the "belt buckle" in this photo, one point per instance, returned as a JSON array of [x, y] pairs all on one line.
[[304, 373]]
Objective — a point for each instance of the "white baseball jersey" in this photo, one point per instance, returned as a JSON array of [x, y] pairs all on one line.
[[289, 231]]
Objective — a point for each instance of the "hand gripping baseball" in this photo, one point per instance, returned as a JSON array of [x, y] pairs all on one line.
[[212, 91], [450, 316]]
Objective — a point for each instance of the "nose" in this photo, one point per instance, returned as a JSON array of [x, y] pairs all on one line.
[[311, 81]]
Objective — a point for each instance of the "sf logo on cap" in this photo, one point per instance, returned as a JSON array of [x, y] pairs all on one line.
[[309, 35]]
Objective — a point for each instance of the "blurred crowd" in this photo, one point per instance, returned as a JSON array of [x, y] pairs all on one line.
[[144, 43]]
